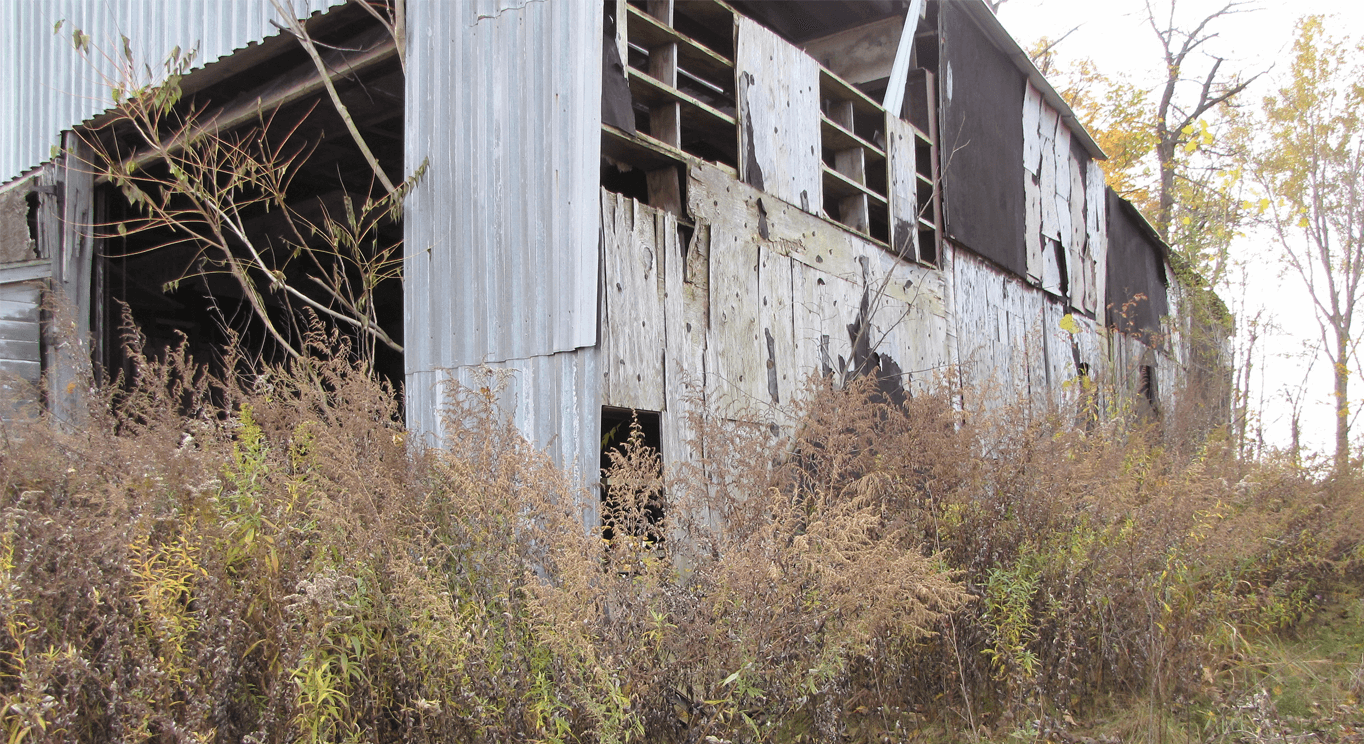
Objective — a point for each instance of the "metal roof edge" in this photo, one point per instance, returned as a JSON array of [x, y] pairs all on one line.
[[989, 23]]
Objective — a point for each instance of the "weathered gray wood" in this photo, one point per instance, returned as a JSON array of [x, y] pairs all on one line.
[[1063, 171], [20, 348], [25, 271], [1032, 227], [1081, 268], [1051, 264], [633, 334], [1097, 226], [1032, 121], [904, 206], [684, 357], [779, 104], [72, 274], [665, 189], [775, 318], [861, 54], [1048, 175], [660, 9], [665, 120]]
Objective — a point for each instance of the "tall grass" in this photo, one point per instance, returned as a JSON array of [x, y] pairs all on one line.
[[264, 556]]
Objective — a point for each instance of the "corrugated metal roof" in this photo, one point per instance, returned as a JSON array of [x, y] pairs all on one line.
[[48, 87], [503, 104]]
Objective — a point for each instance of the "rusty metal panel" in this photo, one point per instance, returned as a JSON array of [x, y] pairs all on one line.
[[503, 107], [47, 87]]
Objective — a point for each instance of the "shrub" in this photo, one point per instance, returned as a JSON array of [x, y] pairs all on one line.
[[264, 556]]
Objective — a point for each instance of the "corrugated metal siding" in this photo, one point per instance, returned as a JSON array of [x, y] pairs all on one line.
[[503, 104], [46, 86], [553, 400]]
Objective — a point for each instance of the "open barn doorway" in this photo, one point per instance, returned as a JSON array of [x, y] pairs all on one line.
[[287, 219]]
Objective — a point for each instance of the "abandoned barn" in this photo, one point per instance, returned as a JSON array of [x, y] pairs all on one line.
[[627, 206]]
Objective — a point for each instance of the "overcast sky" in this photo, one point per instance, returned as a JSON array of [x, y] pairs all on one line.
[[1115, 34]]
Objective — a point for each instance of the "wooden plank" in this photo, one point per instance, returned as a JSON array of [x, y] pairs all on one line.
[[665, 189], [779, 105], [633, 330], [1081, 268], [662, 10], [777, 341], [1096, 224], [685, 338], [72, 273], [838, 185], [1047, 178], [1051, 264], [822, 307], [842, 138], [29, 372], [860, 54], [21, 329], [736, 369], [903, 183], [899, 71], [1032, 121], [1032, 227], [648, 32], [19, 351], [25, 271], [1063, 160]]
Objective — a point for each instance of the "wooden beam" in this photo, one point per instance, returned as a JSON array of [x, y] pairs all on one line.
[[899, 72], [861, 54], [294, 85]]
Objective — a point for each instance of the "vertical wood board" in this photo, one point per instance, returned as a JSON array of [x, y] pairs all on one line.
[[779, 108], [633, 297]]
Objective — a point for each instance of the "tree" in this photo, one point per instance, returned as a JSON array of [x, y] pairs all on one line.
[[1310, 167], [1175, 150]]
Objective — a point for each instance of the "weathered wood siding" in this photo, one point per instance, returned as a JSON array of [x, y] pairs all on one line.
[[1064, 208], [778, 90], [20, 334]]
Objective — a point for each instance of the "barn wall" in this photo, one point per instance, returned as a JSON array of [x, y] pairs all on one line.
[[500, 237]]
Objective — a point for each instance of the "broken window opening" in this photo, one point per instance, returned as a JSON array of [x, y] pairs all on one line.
[[632, 498], [679, 65], [620, 178], [1146, 388], [31, 203]]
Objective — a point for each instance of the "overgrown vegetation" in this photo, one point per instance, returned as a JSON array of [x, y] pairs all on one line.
[[267, 557]]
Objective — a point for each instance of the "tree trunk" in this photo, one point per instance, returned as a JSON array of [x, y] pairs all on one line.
[[1342, 372], [1165, 155]]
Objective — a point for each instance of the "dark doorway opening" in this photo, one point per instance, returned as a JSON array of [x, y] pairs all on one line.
[[635, 510]]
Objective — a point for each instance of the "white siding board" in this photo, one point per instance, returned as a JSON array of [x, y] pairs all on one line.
[[633, 240], [778, 331], [904, 206], [778, 92], [1032, 120], [1032, 227]]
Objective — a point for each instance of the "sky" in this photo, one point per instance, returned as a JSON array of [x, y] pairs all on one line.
[[1115, 34]]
